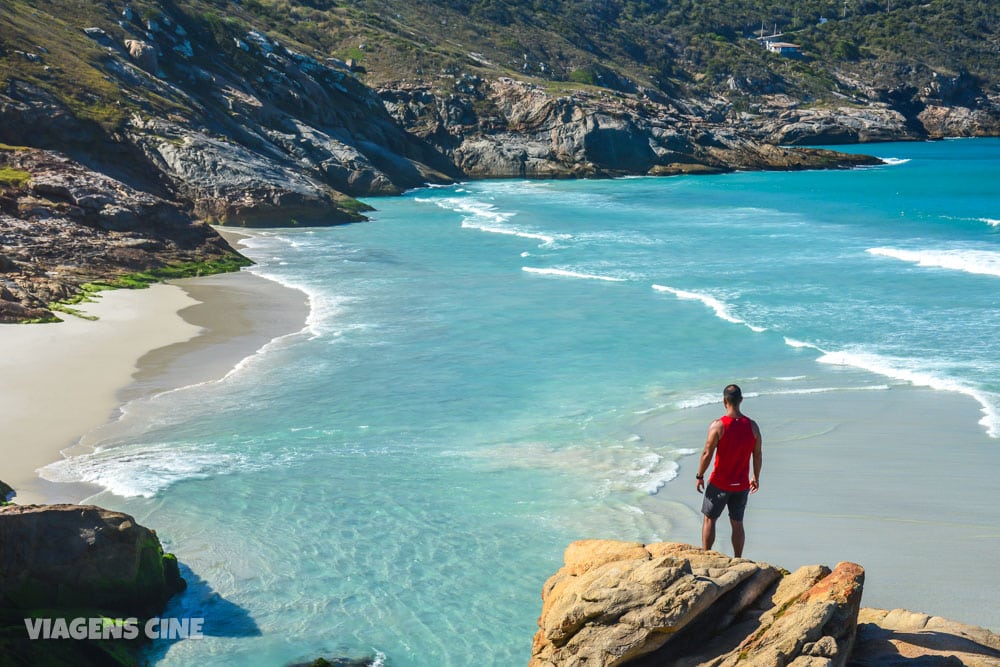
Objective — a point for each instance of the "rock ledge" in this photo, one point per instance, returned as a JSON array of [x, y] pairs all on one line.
[[625, 603]]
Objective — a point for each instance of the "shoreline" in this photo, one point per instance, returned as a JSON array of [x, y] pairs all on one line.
[[898, 480], [63, 381]]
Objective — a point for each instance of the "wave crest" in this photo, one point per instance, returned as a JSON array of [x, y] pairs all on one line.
[[721, 309], [981, 262]]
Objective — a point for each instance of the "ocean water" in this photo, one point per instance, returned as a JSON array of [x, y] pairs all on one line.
[[398, 479]]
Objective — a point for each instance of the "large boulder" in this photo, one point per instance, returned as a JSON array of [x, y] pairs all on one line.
[[616, 603], [613, 602], [80, 557]]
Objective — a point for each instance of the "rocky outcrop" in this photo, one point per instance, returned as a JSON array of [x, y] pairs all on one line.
[[839, 125], [265, 134], [64, 224], [73, 563], [899, 638], [665, 604], [506, 128], [82, 557]]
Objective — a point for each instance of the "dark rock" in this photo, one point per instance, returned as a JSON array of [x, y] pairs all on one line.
[[143, 54], [82, 557], [337, 662]]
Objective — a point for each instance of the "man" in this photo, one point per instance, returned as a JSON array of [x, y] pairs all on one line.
[[734, 438]]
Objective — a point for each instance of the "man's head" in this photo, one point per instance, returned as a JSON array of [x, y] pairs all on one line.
[[732, 395]]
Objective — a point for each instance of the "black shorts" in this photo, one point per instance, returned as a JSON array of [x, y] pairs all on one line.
[[716, 499]]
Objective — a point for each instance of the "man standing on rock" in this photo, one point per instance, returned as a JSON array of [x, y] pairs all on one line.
[[734, 438]]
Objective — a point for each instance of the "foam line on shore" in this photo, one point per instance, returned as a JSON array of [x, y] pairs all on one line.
[[233, 320], [75, 369], [903, 370]]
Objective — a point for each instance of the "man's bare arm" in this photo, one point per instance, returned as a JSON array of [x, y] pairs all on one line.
[[711, 442]]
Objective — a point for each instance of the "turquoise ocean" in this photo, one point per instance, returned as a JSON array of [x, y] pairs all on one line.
[[399, 478]]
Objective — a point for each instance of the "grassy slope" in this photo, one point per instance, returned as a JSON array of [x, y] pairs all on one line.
[[674, 46]]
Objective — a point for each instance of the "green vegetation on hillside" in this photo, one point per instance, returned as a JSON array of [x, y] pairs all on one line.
[[671, 46]]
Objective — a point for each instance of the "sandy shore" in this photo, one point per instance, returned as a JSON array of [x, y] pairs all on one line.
[[902, 481], [60, 381]]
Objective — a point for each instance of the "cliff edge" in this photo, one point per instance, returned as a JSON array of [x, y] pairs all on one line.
[[625, 603]]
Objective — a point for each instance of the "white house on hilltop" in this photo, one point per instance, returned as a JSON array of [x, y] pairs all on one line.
[[783, 48]]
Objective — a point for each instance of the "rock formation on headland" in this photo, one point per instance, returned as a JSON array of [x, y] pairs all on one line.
[[65, 225], [76, 561], [625, 603], [277, 114]]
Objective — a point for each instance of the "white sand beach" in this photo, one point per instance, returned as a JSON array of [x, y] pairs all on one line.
[[59, 381]]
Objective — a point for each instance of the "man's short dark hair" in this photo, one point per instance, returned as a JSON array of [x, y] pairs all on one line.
[[732, 394]]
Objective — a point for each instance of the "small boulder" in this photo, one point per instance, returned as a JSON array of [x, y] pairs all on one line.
[[143, 54]]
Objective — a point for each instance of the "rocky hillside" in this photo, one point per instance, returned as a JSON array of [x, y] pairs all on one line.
[[282, 112], [674, 605]]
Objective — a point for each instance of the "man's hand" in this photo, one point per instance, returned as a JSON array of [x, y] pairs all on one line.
[[700, 485], [754, 485]]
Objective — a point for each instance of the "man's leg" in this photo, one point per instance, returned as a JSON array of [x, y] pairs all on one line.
[[739, 537], [707, 533]]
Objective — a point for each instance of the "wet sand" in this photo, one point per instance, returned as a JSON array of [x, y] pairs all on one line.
[[902, 481]]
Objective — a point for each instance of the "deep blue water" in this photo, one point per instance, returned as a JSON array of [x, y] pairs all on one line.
[[461, 404]]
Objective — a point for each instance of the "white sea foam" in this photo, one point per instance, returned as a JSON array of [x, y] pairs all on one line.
[[571, 274], [142, 470], [791, 342], [626, 466], [993, 222], [911, 371], [894, 161], [485, 217], [697, 401], [324, 308], [651, 472], [982, 262], [720, 308]]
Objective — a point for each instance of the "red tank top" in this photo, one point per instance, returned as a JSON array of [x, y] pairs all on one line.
[[732, 456]]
